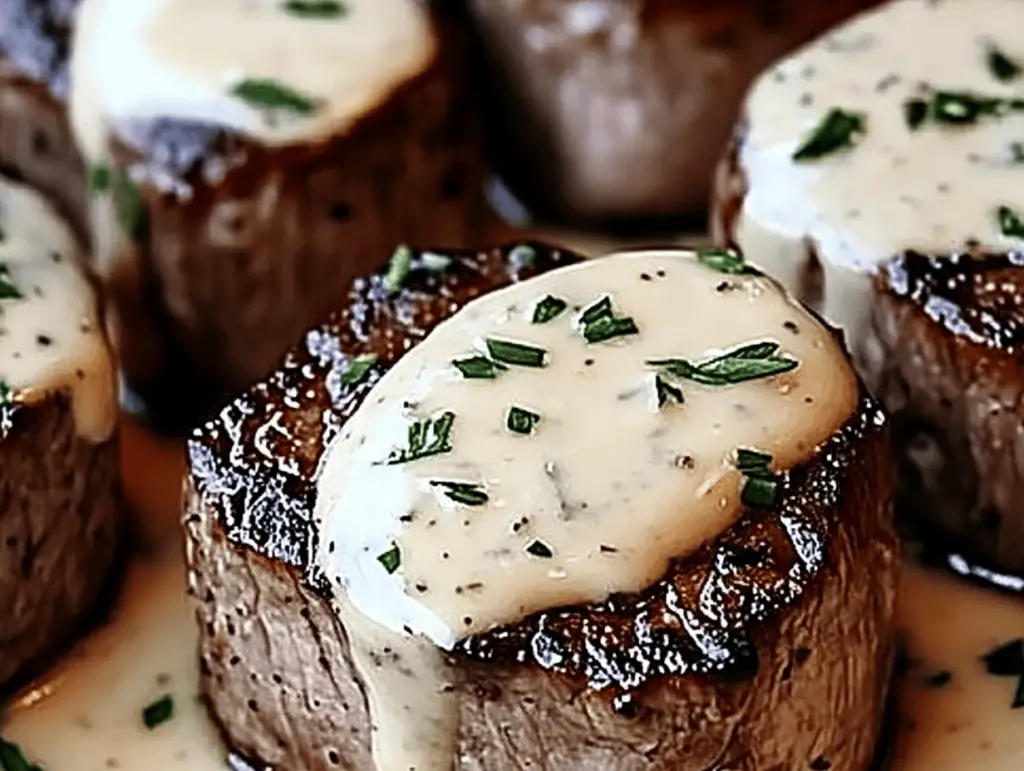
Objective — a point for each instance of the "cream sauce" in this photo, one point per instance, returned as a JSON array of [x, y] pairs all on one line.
[[50, 336], [931, 189], [603, 493]]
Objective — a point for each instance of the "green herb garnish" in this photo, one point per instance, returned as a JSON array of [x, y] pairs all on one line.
[[6, 394], [748, 362], [540, 549], [1001, 66], [724, 260], [519, 354], [549, 308], [599, 322], [520, 421], [1007, 660], [8, 289], [99, 178], [1010, 223], [315, 9], [838, 130], [160, 711], [13, 759], [426, 437], [357, 368], [398, 269], [915, 111], [390, 559], [667, 392], [478, 368], [597, 310], [760, 483], [268, 94], [466, 493]]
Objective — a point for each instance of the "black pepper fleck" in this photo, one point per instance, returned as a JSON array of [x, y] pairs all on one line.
[[44, 340]]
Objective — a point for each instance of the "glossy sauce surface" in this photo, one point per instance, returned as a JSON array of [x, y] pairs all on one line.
[[50, 335]]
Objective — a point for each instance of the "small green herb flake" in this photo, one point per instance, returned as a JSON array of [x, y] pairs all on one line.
[[519, 354], [99, 178], [595, 311], [426, 438], [520, 421], [667, 392], [160, 711], [268, 94], [549, 308], [540, 549], [391, 559], [8, 289], [1010, 223], [749, 460], [760, 484], [1002, 67], [358, 368], [398, 269], [748, 362], [724, 261], [915, 111], [478, 368], [466, 493], [13, 759], [838, 130], [962, 107], [315, 9], [599, 322]]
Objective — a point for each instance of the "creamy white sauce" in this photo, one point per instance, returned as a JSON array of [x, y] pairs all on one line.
[[930, 189], [608, 487], [50, 337]]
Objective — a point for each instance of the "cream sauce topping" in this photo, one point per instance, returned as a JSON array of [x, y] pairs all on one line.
[[597, 499], [931, 189], [50, 335]]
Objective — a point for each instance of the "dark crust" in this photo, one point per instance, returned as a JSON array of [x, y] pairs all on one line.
[[264, 495], [35, 37]]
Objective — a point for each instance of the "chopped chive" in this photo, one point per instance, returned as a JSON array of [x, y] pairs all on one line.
[[607, 328], [478, 368], [8, 289], [99, 178], [549, 308], [749, 362], [748, 460], [838, 130], [268, 94], [597, 310], [760, 484], [398, 269], [13, 759], [540, 549], [915, 111], [520, 421], [667, 392], [6, 394], [160, 711], [1010, 223], [426, 437], [465, 493], [128, 203], [724, 260], [1002, 67], [315, 9], [391, 558], [519, 354], [357, 368]]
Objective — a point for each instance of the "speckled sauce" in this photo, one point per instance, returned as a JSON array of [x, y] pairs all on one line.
[[931, 186]]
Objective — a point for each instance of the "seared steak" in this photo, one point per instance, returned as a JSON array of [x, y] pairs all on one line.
[[613, 110], [768, 648]]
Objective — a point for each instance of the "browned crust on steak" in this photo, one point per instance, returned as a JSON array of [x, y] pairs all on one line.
[[36, 145], [950, 336], [820, 567], [60, 533], [239, 247]]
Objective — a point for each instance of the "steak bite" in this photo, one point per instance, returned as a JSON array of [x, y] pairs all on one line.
[[760, 637], [850, 154], [249, 160], [60, 518]]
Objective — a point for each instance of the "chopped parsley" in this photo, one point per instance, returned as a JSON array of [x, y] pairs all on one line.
[[466, 493], [957, 108], [160, 711], [539, 549], [724, 261], [358, 368], [1002, 67], [99, 178], [667, 392], [599, 323], [1007, 660], [426, 437], [268, 94], [838, 130], [748, 362], [518, 354], [478, 368], [549, 308], [760, 485], [8, 289], [6, 394], [1011, 224], [13, 759], [315, 9], [391, 559], [520, 421], [398, 269]]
